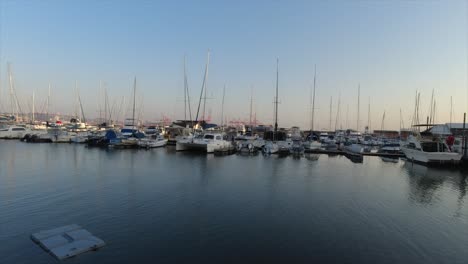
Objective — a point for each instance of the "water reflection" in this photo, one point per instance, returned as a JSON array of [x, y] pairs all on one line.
[[425, 183]]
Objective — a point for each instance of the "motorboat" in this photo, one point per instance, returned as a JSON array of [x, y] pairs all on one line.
[[13, 132], [429, 151], [154, 141], [207, 142]]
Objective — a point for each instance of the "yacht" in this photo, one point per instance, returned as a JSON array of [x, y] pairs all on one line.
[[13, 132], [207, 142], [154, 141], [429, 151]]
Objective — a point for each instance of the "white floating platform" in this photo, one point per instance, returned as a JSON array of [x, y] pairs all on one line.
[[67, 241]]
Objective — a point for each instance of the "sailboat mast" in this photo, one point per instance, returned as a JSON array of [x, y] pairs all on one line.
[[33, 108], [431, 109], [185, 89], [203, 88], [357, 121], [368, 117], [204, 82], [134, 99], [99, 100], [338, 111], [106, 104], [313, 98], [81, 107], [451, 111], [276, 98], [330, 121], [251, 100], [222, 105], [48, 104], [12, 98]]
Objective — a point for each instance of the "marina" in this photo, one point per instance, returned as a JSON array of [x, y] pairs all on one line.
[[233, 132], [193, 207]]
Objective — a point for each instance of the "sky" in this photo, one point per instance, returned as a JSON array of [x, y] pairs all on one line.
[[391, 49]]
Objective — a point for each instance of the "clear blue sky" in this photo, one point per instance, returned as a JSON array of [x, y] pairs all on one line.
[[392, 48]]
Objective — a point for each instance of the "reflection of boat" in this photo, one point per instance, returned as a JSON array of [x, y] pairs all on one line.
[[429, 152], [312, 157], [353, 152], [388, 159], [424, 181], [390, 147]]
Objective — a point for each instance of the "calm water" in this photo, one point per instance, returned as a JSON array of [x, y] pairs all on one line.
[[160, 206]]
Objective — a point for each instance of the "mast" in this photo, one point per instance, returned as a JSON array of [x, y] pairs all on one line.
[[81, 106], [347, 115], [106, 104], [357, 121], [401, 121], [330, 121], [368, 117], [12, 97], [204, 81], [313, 98], [451, 111], [48, 104], [338, 110], [99, 100], [185, 89], [251, 101], [222, 105], [134, 99], [33, 108], [186, 94], [431, 109], [276, 98], [203, 88], [76, 99], [383, 121]]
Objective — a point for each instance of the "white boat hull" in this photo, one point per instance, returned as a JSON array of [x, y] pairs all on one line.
[[431, 157]]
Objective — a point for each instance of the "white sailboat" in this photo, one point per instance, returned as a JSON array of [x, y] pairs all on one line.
[[312, 142], [206, 142], [277, 144]]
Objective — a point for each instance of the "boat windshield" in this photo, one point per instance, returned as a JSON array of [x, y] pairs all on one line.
[[433, 147]]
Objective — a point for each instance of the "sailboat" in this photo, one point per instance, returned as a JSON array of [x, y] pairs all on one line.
[[312, 141], [206, 142], [275, 141]]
